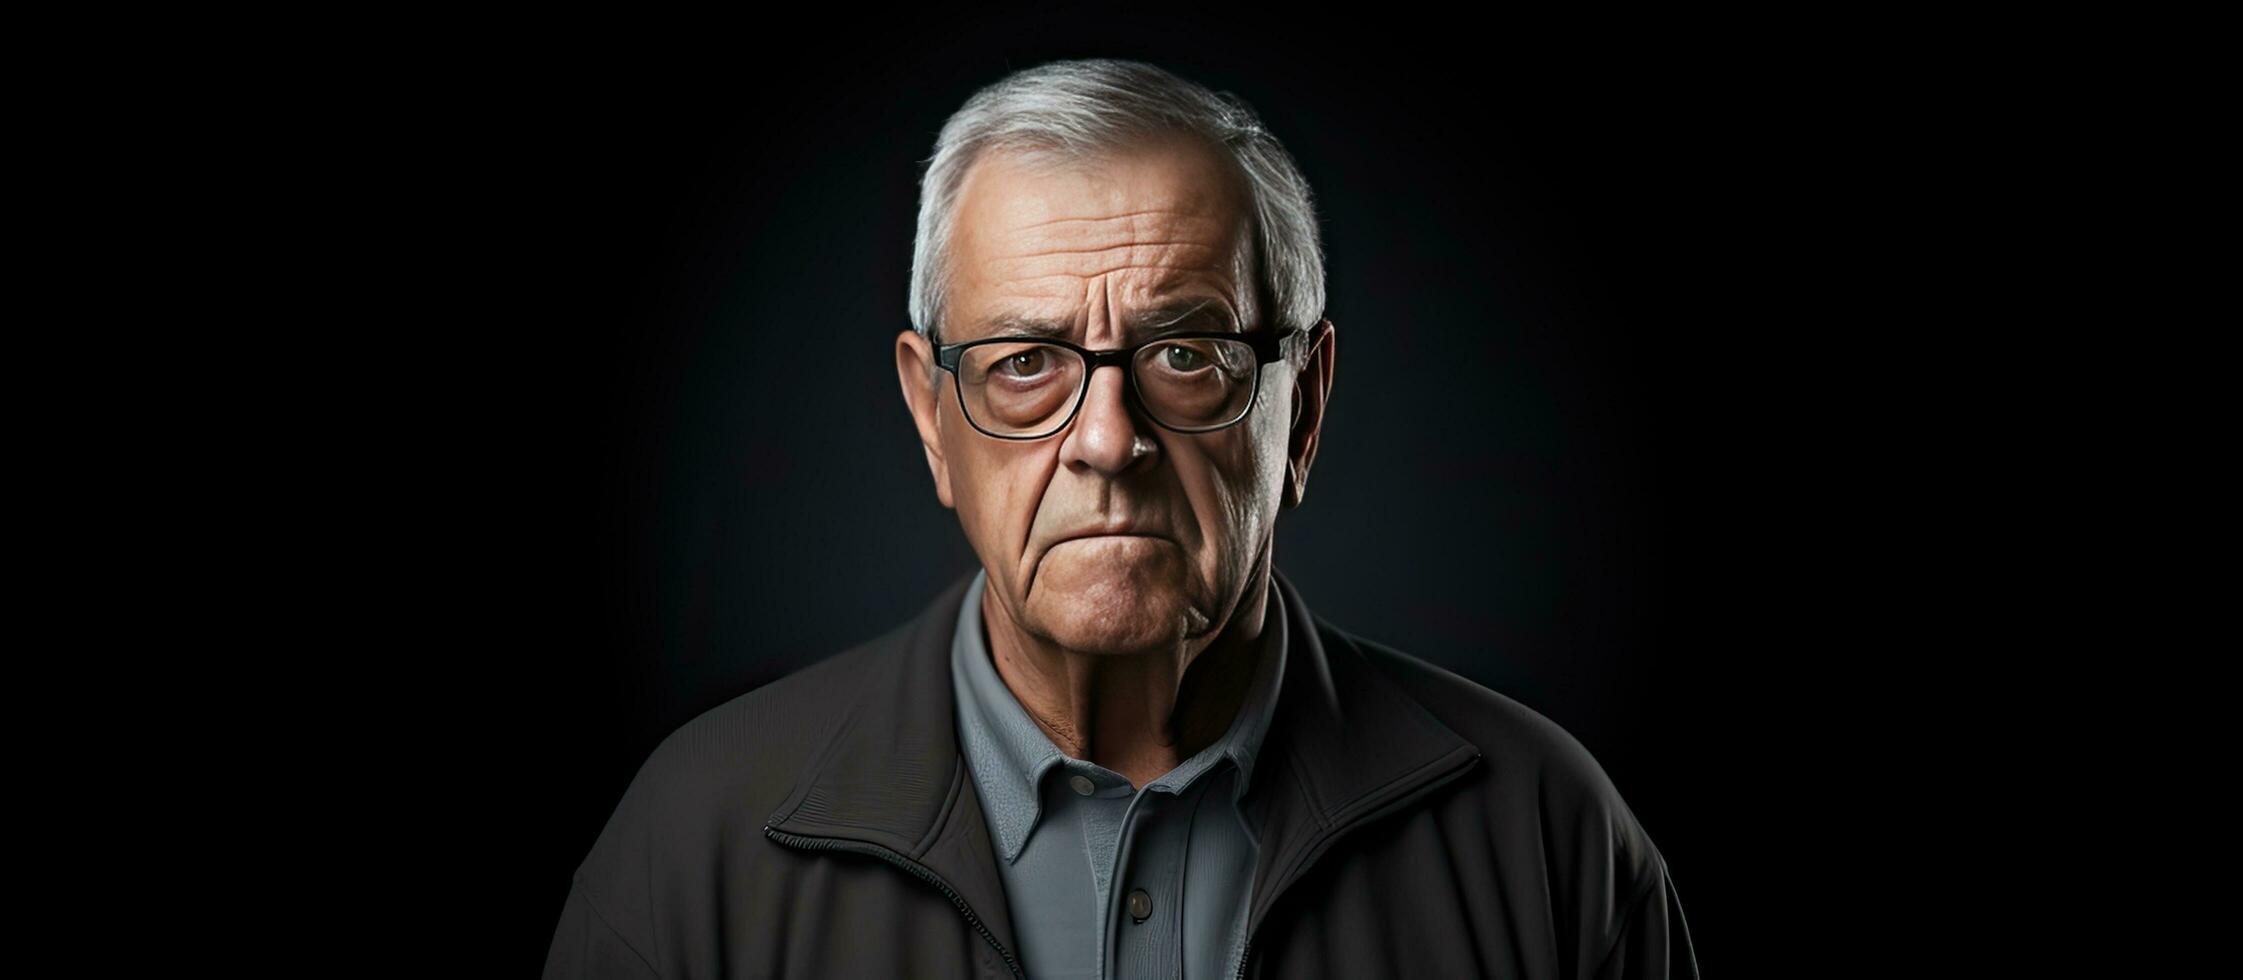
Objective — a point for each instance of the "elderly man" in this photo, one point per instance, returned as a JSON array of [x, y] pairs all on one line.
[[1124, 747]]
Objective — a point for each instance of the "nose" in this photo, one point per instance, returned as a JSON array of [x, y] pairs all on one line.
[[1107, 434]]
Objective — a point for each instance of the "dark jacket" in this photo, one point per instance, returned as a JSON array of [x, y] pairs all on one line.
[[1412, 824]]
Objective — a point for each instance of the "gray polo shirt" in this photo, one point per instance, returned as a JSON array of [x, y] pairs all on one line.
[[1104, 880]]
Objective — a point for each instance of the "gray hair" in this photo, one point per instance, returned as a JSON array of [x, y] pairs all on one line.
[[1076, 109]]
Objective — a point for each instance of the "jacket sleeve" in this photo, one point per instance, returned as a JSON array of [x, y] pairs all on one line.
[[1654, 941], [585, 946]]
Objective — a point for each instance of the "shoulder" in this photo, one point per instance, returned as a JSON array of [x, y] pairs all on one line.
[[1536, 782], [1504, 730], [769, 732], [707, 786], [1537, 821], [719, 775], [744, 755]]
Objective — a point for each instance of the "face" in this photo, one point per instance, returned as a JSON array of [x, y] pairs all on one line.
[[1113, 535]]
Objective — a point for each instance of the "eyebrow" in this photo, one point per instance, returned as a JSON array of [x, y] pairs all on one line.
[[1166, 318]]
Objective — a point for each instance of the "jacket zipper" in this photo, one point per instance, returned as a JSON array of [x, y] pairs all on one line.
[[919, 870], [1316, 850]]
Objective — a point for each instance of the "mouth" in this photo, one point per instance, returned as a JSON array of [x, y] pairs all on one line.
[[1104, 548], [1095, 535], [1115, 528], [1114, 534]]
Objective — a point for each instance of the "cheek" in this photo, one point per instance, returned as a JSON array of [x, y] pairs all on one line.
[[997, 487], [1241, 476]]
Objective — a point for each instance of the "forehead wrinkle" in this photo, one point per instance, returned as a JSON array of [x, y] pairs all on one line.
[[1164, 262], [1067, 287], [1107, 248], [1116, 217], [1211, 229], [1158, 281], [1067, 302]]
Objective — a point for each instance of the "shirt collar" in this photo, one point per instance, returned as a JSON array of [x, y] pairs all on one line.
[[1009, 754]]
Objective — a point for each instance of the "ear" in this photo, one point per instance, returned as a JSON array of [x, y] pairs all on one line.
[[1312, 390], [916, 371]]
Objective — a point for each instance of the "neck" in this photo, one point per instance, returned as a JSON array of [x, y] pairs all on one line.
[[1138, 714]]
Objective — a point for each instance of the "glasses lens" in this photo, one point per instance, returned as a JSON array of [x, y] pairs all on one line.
[[1196, 382], [1019, 388]]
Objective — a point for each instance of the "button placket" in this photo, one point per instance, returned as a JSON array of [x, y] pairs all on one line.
[[1150, 913]]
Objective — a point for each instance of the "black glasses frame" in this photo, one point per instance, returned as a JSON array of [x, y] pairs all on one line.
[[1269, 347]]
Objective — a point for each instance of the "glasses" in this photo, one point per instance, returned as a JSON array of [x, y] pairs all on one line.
[[1025, 388]]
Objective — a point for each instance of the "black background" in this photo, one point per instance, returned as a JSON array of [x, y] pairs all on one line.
[[1613, 305]]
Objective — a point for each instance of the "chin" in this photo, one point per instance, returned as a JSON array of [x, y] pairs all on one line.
[[1114, 598]]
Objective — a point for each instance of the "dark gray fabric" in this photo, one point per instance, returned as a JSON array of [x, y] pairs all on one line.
[[1070, 861], [1411, 823]]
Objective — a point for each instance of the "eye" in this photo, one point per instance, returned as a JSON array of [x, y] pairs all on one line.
[[1026, 364], [1181, 358]]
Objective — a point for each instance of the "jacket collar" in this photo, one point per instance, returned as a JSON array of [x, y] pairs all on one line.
[[1345, 744]]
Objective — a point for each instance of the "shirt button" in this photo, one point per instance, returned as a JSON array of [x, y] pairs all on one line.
[[1140, 904], [1083, 784]]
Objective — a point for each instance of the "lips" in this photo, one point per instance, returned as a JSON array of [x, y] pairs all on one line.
[[1112, 534], [1111, 531]]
